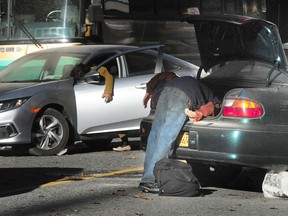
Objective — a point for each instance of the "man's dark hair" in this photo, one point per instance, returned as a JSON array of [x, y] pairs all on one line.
[[79, 71]]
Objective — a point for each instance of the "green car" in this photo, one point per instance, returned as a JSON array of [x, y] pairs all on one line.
[[247, 69]]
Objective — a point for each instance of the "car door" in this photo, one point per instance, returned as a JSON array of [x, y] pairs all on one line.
[[126, 110]]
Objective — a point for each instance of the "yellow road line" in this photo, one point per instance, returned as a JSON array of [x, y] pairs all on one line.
[[50, 184], [82, 177]]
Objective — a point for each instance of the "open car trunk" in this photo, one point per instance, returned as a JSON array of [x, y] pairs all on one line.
[[243, 74]]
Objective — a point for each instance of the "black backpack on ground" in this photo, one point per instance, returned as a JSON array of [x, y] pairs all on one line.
[[175, 178]]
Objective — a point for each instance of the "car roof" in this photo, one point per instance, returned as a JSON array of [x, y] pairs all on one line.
[[88, 48], [106, 48]]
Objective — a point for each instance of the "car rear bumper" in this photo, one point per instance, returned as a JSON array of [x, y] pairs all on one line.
[[270, 163], [231, 142]]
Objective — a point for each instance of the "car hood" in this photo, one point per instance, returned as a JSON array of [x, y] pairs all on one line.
[[8, 87], [225, 38], [20, 89]]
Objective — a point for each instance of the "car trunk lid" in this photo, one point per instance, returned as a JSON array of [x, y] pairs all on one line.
[[226, 38]]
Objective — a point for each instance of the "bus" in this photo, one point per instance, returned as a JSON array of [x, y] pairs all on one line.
[[30, 25]]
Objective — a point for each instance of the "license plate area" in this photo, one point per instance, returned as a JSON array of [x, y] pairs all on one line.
[[190, 140]]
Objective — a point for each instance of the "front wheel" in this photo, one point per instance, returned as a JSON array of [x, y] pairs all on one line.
[[50, 133]]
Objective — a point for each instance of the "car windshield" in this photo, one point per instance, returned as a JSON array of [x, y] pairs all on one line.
[[41, 67]]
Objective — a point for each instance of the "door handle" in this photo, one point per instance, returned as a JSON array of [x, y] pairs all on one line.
[[141, 86]]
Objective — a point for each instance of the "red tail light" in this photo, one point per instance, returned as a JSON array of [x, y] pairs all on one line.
[[242, 108]]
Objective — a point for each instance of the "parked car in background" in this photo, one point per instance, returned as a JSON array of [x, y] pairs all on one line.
[[42, 109], [248, 72]]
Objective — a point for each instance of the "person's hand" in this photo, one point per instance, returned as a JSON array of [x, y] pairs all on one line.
[[107, 97], [146, 98], [193, 116]]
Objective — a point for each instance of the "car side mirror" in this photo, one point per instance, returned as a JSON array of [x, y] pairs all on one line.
[[93, 77]]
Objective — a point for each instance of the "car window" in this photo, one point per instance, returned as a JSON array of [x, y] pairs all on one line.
[[140, 64], [170, 66], [64, 67], [111, 66]]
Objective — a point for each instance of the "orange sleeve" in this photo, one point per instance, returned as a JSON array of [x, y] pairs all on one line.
[[109, 80]]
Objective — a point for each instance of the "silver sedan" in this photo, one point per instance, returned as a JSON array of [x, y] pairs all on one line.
[[44, 110]]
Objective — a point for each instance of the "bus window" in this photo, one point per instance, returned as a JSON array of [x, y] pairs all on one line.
[[41, 19], [27, 26]]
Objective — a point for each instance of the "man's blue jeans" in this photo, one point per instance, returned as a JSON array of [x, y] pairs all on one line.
[[168, 121]]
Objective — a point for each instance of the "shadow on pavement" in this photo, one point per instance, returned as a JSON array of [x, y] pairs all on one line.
[[79, 148], [21, 180], [82, 148], [250, 179]]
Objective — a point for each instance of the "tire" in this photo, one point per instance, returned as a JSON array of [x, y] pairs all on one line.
[[215, 175], [50, 133]]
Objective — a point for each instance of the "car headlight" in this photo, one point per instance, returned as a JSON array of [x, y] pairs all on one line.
[[12, 104]]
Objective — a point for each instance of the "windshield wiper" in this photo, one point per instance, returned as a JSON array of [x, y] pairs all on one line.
[[27, 33]]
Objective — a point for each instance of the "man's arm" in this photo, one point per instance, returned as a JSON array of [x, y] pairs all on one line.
[[109, 81], [160, 77], [151, 85], [205, 110]]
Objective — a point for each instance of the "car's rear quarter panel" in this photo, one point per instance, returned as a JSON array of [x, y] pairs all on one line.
[[261, 142]]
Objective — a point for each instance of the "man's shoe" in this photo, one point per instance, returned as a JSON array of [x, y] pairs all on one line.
[[122, 148], [149, 187]]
